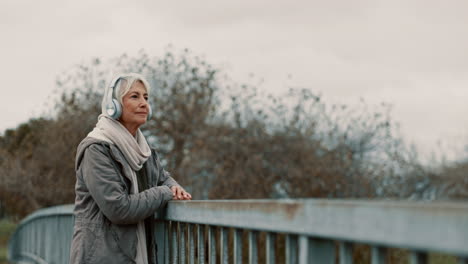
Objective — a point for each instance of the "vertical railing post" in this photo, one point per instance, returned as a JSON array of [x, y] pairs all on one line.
[[270, 248], [167, 246], [321, 250], [201, 243], [237, 252], [211, 245], [191, 243], [379, 255], [304, 251], [253, 252], [346, 253], [160, 233], [223, 237], [291, 249], [418, 257], [174, 255], [181, 228]]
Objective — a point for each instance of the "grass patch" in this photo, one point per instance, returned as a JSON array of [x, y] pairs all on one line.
[[3, 253], [6, 230], [437, 258]]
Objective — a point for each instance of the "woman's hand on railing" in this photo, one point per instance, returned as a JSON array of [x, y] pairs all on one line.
[[178, 193]]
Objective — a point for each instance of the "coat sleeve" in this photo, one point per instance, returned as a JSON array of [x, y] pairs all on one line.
[[106, 186], [166, 180]]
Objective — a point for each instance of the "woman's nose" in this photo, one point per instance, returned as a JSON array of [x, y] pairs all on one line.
[[144, 104]]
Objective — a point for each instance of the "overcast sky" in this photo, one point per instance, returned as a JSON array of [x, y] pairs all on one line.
[[412, 54]]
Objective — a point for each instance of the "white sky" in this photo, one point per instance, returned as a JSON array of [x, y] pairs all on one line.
[[411, 53]]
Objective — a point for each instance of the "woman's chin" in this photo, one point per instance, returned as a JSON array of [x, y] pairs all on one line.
[[141, 122]]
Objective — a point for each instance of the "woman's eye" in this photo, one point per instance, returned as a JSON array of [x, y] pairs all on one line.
[[146, 98]]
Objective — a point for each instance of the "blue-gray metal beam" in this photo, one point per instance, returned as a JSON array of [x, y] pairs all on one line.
[[385, 223]]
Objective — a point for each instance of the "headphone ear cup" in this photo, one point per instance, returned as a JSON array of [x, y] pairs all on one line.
[[118, 109], [150, 113]]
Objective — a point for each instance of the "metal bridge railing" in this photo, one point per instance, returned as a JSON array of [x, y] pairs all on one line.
[[43, 237], [310, 231]]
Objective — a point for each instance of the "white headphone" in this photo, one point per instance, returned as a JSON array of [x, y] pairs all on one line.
[[113, 106]]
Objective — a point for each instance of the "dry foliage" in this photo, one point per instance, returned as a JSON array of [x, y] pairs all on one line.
[[219, 139]]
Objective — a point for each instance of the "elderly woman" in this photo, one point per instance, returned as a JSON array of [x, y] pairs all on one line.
[[120, 182]]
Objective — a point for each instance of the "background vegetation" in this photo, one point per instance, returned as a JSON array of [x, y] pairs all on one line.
[[6, 230], [224, 140]]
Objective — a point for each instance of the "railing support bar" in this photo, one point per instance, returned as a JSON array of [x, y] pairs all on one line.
[[346, 253], [291, 249], [223, 237], [418, 257], [201, 244], [211, 245], [253, 252], [320, 251], [191, 244], [270, 248], [237, 254], [174, 242], [181, 227], [379, 255]]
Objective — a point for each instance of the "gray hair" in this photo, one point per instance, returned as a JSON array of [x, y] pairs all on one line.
[[125, 83]]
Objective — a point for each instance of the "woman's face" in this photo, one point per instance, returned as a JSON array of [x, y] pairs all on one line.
[[135, 107]]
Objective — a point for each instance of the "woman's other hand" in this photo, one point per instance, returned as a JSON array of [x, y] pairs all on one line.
[[178, 193]]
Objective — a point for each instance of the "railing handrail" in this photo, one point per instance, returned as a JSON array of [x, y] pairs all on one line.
[[427, 226], [20, 249], [66, 209]]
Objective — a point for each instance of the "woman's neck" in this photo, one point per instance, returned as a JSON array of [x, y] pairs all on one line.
[[131, 128]]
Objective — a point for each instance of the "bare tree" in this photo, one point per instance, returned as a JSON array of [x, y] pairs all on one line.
[[218, 138]]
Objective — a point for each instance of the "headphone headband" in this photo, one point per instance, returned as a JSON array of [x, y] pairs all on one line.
[[114, 82]]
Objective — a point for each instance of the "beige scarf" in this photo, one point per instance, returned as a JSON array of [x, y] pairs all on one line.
[[136, 151]]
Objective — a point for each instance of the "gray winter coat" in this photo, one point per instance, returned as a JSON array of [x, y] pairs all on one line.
[[106, 214]]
